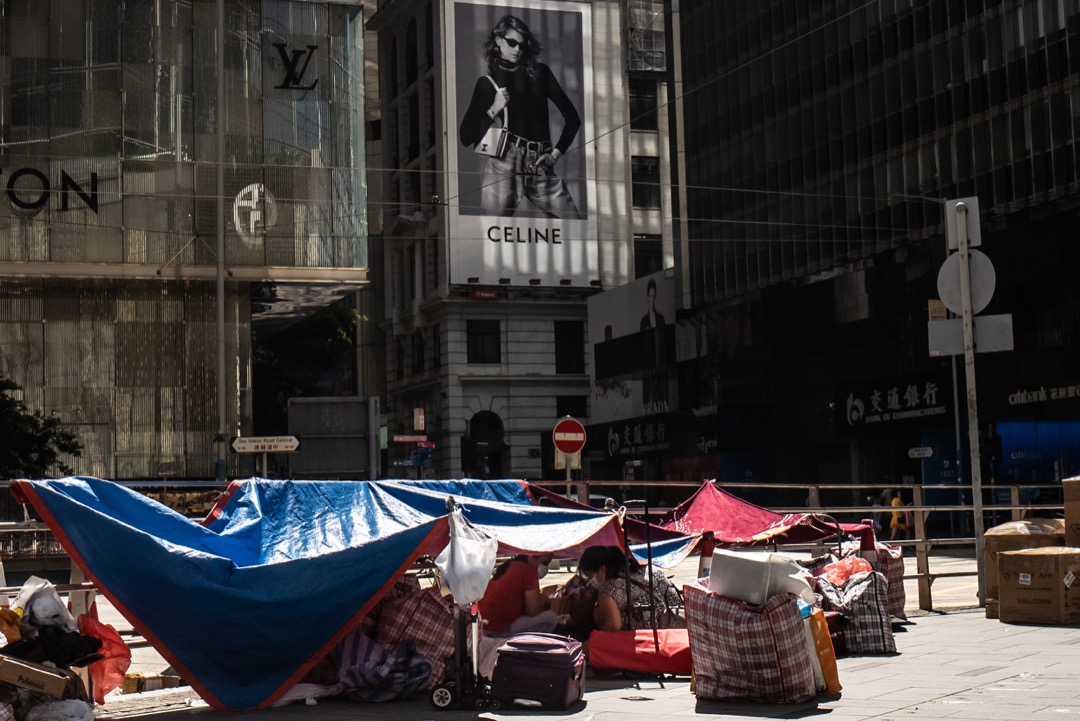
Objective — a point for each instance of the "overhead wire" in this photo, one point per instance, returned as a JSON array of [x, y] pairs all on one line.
[[748, 222]]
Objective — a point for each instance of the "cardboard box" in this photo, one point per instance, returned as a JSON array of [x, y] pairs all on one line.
[[991, 608], [1039, 585], [33, 676], [1013, 536], [1071, 491], [139, 682]]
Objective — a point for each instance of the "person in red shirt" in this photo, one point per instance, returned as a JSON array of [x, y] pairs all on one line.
[[513, 602]]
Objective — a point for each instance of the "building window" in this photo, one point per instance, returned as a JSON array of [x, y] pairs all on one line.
[[576, 406], [414, 139], [646, 36], [648, 255], [393, 68], [483, 341], [643, 102], [412, 58], [645, 176], [429, 36], [569, 346], [399, 361], [436, 346], [417, 352]]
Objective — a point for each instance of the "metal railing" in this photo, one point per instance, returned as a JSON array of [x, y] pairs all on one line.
[[827, 498], [31, 546]]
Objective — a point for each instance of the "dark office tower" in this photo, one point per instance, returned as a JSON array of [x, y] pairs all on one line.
[[819, 140]]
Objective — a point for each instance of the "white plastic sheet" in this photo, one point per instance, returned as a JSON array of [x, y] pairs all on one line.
[[467, 561]]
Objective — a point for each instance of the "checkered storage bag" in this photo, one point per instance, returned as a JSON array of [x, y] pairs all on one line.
[[863, 601], [424, 617], [741, 651], [890, 563], [370, 672]]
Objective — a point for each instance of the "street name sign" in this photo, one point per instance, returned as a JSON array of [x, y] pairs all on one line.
[[265, 444]]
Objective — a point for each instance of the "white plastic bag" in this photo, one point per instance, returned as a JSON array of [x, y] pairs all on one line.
[[39, 602], [467, 561], [71, 709]]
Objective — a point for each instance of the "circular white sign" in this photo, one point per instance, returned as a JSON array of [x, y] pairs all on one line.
[[983, 280]]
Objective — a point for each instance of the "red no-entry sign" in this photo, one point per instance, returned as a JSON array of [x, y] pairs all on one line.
[[569, 435]]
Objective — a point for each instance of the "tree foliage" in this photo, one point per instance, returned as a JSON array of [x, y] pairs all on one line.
[[31, 445], [313, 358]]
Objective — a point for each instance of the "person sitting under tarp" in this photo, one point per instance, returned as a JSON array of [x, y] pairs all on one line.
[[513, 602], [607, 568]]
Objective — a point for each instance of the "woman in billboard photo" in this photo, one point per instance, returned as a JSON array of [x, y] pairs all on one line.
[[517, 94]]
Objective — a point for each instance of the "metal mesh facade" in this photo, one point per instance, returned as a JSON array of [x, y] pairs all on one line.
[[109, 206], [107, 128], [129, 367]]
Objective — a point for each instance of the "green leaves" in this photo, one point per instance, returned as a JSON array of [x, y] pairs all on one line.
[[30, 444]]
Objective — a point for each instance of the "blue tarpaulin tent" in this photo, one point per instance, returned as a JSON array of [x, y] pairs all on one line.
[[244, 603]]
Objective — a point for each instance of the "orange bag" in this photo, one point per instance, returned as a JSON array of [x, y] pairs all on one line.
[[826, 654], [838, 573]]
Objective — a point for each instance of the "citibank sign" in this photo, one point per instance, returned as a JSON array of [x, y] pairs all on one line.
[[30, 189]]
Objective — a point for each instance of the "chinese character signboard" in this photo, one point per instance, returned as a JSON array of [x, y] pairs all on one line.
[[889, 402]]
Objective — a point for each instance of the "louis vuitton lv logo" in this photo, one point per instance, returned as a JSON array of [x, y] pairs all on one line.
[[294, 71]]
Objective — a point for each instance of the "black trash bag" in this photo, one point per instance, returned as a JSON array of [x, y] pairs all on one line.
[[58, 646]]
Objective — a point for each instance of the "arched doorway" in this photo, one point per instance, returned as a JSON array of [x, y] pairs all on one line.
[[484, 450]]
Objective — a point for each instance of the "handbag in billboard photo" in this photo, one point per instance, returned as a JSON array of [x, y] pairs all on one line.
[[495, 140]]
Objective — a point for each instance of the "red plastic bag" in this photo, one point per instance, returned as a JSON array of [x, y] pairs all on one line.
[[838, 573], [106, 673]]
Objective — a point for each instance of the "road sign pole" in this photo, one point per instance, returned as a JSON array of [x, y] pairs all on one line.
[[963, 224]]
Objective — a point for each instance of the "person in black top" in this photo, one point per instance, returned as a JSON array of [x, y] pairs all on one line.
[[525, 89], [652, 318]]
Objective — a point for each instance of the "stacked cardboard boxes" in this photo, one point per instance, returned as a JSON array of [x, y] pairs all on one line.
[[1037, 581], [1013, 536], [1040, 585], [1071, 491]]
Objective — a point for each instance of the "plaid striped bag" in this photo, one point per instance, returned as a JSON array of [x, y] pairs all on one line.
[[370, 672], [890, 563], [863, 601], [741, 651], [426, 619]]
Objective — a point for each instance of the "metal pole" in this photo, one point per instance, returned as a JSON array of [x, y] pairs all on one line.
[[972, 404], [959, 446], [569, 477], [219, 111]]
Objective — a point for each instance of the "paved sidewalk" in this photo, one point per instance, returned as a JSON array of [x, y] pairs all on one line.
[[956, 664]]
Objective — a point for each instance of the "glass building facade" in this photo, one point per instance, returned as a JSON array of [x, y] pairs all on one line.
[[821, 138], [810, 123], [109, 205]]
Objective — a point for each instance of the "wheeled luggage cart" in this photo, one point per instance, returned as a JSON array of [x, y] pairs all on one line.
[[464, 687]]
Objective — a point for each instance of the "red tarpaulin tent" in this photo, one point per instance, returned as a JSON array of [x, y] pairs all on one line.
[[736, 522]]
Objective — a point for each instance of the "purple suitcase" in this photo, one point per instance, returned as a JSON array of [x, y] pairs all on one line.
[[540, 667]]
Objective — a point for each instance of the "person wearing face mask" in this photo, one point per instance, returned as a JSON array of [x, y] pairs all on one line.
[[605, 567], [520, 90], [513, 602]]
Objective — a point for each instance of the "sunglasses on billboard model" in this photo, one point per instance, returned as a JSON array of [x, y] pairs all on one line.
[[511, 42]]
